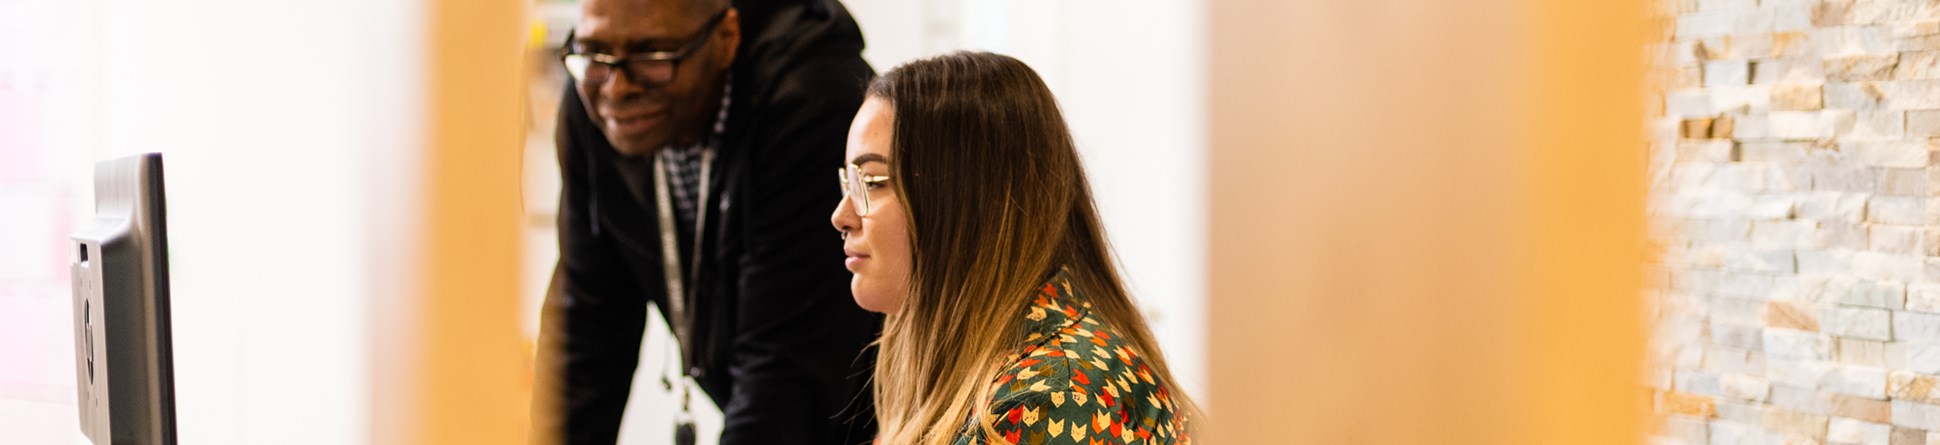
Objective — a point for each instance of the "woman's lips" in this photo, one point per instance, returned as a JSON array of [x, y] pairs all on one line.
[[855, 258]]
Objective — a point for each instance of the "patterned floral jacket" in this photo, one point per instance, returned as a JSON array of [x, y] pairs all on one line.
[[1074, 381]]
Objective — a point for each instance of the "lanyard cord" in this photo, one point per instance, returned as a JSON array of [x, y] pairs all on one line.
[[679, 317], [670, 261]]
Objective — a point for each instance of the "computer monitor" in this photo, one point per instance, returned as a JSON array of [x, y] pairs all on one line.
[[123, 363]]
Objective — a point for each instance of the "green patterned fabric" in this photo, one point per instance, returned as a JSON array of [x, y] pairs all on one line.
[[1074, 381]]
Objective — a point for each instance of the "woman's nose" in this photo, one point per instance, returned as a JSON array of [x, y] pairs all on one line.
[[843, 219]]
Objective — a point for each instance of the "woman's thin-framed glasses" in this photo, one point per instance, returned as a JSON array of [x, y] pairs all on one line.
[[652, 68], [856, 186]]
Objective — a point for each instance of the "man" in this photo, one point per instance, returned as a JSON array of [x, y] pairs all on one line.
[[695, 143]]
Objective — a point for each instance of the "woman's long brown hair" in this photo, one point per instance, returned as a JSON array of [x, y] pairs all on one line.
[[997, 203]]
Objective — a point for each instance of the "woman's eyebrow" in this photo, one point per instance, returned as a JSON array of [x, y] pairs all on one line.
[[867, 158]]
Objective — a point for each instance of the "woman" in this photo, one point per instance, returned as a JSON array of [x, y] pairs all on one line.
[[968, 221]]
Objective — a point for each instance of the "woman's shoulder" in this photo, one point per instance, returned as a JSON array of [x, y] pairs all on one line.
[[1082, 385]]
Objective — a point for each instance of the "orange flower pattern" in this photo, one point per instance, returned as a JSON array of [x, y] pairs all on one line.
[[1076, 382]]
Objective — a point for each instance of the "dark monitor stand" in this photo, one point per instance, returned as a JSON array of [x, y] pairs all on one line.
[[123, 364]]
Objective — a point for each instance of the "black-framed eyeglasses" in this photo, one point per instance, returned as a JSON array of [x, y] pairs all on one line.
[[653, 68]]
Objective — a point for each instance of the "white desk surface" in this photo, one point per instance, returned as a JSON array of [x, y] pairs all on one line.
[[40, 423]]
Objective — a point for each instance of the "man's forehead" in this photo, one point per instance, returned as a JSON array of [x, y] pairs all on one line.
[[639, 19]]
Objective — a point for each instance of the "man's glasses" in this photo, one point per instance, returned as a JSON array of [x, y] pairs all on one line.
[[856, 185], [654, 68]]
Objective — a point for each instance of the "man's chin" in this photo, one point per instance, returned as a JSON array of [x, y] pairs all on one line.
[[636, 147], [628, 150]]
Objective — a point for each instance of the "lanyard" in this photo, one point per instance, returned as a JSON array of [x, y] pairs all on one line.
[[670, 259], [677, 295], [679, 317]]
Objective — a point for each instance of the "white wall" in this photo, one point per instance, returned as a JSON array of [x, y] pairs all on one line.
[[269, 115], [1131, 78]]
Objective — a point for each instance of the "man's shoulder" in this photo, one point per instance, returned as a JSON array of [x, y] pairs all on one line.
[[807, 85], [800, 109], [797, 55]]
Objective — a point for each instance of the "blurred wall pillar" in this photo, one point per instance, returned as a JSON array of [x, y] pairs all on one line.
[[450, 369], [1426, 221]]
